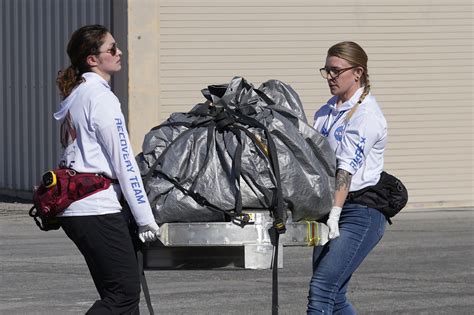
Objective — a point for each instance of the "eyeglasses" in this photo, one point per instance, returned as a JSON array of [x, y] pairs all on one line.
[[333, 73], [112, 50]]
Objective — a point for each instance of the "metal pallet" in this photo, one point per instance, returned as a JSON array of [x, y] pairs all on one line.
[[226, 245]]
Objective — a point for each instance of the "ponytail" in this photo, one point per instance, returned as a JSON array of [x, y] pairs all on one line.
[[67, 80], [366, 83]]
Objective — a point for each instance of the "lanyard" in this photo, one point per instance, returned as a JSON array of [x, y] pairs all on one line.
[[325, 130]]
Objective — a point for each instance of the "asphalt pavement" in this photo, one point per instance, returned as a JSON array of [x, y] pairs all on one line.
[[423, 265]]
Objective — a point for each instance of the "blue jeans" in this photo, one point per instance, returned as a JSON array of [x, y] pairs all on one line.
[[361, 228]]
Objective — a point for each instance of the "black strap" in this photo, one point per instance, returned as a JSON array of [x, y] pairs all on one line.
[[224, 121], [278, 224], [160, 159], [227, 121], [239, 219], [210, 139], [237, 167], [277, 205], [275, 305], [264, 96], [275, 239], [141, 272], [139, 248]]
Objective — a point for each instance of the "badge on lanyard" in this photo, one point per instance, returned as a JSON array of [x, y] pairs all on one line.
[[326, 128], [339, 132]]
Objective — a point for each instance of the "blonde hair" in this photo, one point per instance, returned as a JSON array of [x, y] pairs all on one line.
[[355, 56]]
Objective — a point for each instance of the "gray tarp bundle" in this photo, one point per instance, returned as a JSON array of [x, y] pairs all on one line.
[[214, 154]]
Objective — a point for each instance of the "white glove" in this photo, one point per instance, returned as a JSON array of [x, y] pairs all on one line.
[[333, 222], [149, 232]]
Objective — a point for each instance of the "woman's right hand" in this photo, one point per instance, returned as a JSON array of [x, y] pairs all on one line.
[[149, 232]]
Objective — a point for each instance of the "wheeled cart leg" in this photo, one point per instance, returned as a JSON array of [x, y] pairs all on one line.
[[260, 256]]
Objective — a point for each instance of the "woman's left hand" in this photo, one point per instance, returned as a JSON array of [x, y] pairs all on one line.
[[333, 222]]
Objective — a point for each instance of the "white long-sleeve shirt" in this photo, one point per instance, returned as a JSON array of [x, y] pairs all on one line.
[[95, 140], [360, 143]]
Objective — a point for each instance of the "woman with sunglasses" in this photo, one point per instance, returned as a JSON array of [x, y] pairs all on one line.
[[357, 131], [95, 140]]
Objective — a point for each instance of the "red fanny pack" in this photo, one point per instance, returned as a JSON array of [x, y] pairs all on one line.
[[58, 189]]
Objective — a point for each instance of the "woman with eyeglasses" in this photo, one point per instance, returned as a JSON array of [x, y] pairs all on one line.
[[95, 140], [356, 129]]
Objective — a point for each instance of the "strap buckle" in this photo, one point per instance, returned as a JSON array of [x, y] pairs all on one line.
[[312, 233], [279, 226]]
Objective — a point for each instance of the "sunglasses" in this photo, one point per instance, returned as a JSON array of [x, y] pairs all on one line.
[[112, 50]]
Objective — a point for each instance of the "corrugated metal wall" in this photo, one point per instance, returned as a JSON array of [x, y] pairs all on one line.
[[420, 62], [33, 39]]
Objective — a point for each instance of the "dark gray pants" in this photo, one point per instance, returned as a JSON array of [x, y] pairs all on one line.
[[107, 247]]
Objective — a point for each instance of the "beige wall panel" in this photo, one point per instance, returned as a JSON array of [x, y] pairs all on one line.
[[442, 159], [451, 194], [442, 145], [430, 126], [256, 39], [420, 62], [436, 138], [427, 44], [443, 172], [427, 153], [143, 45], [433, 104], [424, 108], [432, 165], [318, 23], [430, 182], [306, 30]]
